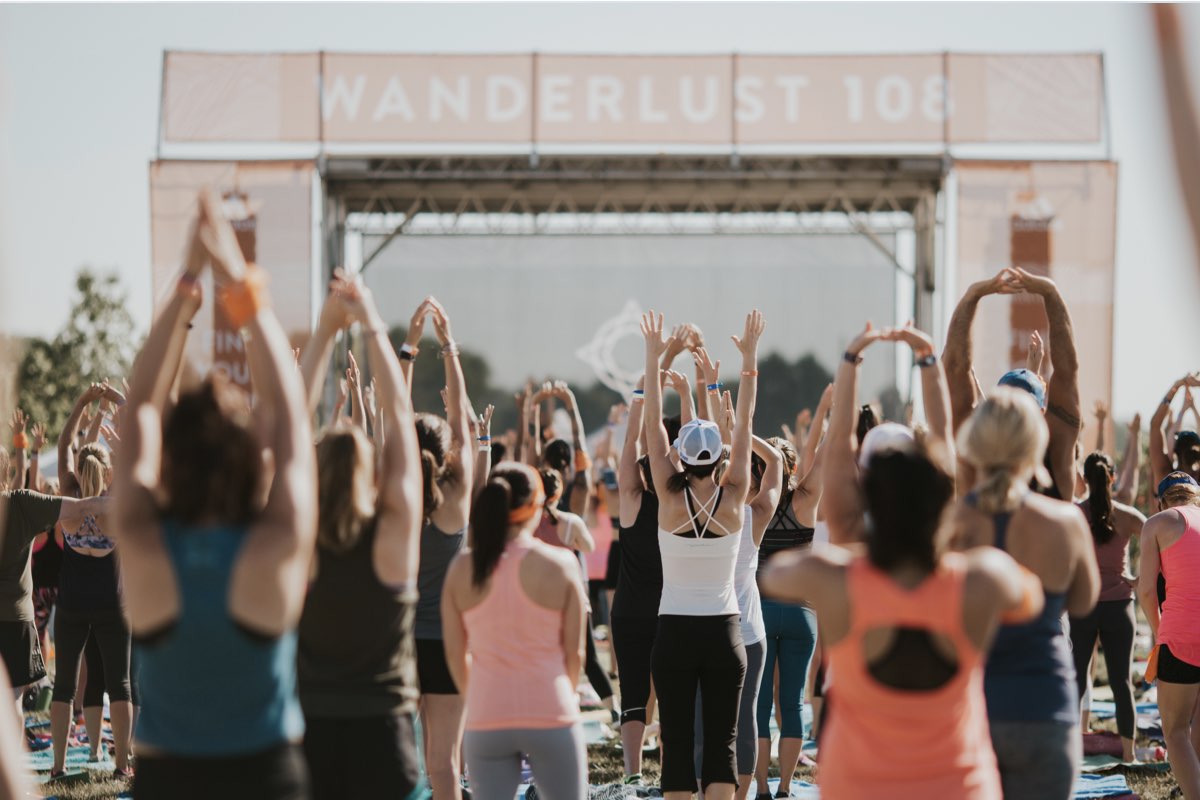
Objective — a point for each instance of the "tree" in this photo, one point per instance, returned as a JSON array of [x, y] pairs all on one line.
[[97, 344]]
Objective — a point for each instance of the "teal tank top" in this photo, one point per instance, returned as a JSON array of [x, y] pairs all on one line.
[[210, 688]]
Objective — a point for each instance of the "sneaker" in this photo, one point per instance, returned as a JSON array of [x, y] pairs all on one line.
[[634, 780], [763, 796], [783, 793], [122, 774], [57, 774]]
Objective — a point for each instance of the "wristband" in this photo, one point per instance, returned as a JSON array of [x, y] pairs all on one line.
[[408, 352], [483, 448], [749, 373], [484, 438], [242, 301], [20, 441], [450, 350], [851, 358], [927, 361], [714, 387]]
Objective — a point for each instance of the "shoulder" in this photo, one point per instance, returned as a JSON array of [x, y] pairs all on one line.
[[989, 567], [1127, 514], [1169, 521], [568, 520], [1067, 516], [553, 559]]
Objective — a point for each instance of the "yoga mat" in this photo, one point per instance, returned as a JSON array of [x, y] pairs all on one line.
[[1107, 763], [43, 760], [1093, 787]]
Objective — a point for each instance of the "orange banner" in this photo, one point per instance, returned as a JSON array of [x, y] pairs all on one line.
[[1051, 218], [719, 100]]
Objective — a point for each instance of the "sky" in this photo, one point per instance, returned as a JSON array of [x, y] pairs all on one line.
[[79, 92]]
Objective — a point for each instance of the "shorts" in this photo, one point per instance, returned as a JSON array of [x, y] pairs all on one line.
[[613, 570], [433, 673], [1172, 669], [362, 756], [279, 774], [21, 652]]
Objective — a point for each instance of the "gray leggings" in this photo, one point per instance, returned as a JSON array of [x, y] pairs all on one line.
[[557, 756], [1037, 760], [746, 744]]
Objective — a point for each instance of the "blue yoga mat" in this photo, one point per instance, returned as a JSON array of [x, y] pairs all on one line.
[[1093, 787], [77, 757]]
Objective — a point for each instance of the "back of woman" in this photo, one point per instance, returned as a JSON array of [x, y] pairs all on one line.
[[1180, 563], [932, 740]]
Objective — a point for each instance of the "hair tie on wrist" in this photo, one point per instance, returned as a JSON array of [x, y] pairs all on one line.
[[242, 301], [927, 361], [714, 387], [851, 358], [20, 441], [749, 373]]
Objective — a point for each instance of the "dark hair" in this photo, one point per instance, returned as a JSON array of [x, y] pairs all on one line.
[[557, 454], [511, 485], [791, 464], [499, 451], [552, 484], [679, 480], [212, 462], [866, 421], [345, 492], [1187, 450], [906, 495], [647, 475], [1098, 472], [433, 437], [673, 424], [758, 468]]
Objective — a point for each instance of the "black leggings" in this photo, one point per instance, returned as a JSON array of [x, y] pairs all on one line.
[[111, 633], [633, 639], [704, 653], [362, 756], [276, 774], [595, 673], [1113, 623]]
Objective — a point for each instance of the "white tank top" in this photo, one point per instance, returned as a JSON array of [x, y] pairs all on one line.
[[745, 584], [698, 573]]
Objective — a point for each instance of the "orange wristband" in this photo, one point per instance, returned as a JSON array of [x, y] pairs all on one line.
[[242, 301], [750, 373], [20, 441]]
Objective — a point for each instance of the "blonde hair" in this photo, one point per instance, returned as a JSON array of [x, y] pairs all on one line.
[[1005, 439], [92, 470], [345, 486], [1181, 494]]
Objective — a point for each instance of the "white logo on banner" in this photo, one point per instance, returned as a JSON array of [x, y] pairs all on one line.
[[600, 353]]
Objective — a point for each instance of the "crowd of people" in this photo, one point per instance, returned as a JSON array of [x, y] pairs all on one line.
[[275, 611]]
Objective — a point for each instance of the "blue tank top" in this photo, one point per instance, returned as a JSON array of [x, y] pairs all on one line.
[[1030, 673], [209, 689], [438, 549]]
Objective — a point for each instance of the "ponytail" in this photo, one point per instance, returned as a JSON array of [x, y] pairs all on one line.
[[998, 491], [510, 486], [430, 474], [93, 465], [1098, 472]]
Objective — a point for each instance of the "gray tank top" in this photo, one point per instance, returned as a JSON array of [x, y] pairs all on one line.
[[438, 549]]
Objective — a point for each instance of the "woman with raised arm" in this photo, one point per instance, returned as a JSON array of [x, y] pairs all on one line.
[[639, 587], [513, 618], [906, 623], [1171, 544], [1183, 453], [89, 604], [216, 563], [791, 628], [699, 642], [356, 662], [1113, 525], [447, 452], [1033, 706], [1126, 488]]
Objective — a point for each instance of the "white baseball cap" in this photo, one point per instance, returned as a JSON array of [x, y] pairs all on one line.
[[885, 436], [699, 443]]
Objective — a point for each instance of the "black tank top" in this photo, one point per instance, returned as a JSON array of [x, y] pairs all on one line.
[[784, 532], [356, 651], [47, 564], [640, 581], [88, 583]]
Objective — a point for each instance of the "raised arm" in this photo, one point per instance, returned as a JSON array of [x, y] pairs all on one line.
[[842, 500], [1063, 408], [20, 443], [314, 362], [67, 482], [1131, 464], [1036, 359], [629, 477], [358, 406], [770, 488], [737, 476], [708, 385], [400, 483], [269, 592], [1181, 108], [461, 462], [1100, 411], [940, 443], [483, 451], [956, 358], [679, 382], [412, 340], [814, 432], [1160, 453], [657, 445]]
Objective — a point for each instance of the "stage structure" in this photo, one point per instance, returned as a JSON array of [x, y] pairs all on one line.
[[950, 166]]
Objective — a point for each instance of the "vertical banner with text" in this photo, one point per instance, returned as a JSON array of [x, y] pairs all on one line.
[[1050, 218], [276, 233]]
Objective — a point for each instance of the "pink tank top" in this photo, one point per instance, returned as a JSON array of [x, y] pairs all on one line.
[[922, 744], [518, 668], [1181, 568]]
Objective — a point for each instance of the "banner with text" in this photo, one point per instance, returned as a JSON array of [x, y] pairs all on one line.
[[1050, 218], [279, 195], [719, 101]]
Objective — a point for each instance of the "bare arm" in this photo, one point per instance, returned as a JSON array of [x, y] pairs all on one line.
[[1160, 455], [412, 340], [1181, 107], [1085, 585], [483, 454], [67, 482], [770, 487], [458, 414], [358, 408], [661, 467], [581, 496], [1101, 414], [1063, 409], [573, 627], [314, 363], [1150, 564], [813, 433], [1131, 466], [738, 474], [956, 358], [940, 444], [679, 382], [454, 631], [629, 478], [20, 447]]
